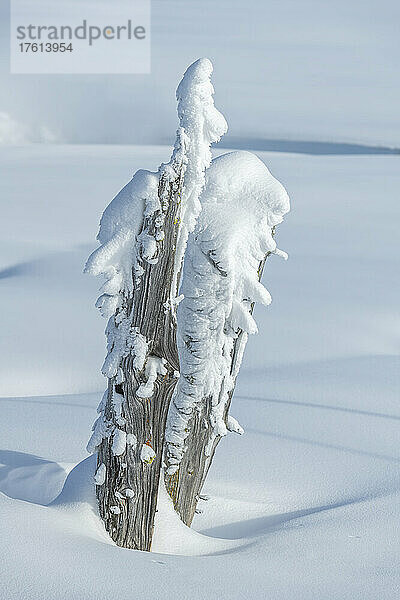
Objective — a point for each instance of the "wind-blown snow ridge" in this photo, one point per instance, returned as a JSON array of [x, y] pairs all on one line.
[[241, 204]]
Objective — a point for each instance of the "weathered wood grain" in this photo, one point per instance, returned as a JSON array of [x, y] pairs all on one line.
[[132, 526]]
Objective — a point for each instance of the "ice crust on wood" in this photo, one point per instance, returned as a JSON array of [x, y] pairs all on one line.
[[104, 428], [241, 204]]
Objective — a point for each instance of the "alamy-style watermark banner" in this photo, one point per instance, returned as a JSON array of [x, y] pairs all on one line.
[[80, 36]]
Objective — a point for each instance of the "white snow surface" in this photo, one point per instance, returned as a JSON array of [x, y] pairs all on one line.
[[305, 504], [284, 70]]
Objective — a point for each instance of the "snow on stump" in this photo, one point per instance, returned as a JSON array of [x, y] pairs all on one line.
[[143, 236], [241, 205], [182, 252]]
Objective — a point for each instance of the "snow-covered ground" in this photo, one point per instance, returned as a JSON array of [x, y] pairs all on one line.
[[306, 504]]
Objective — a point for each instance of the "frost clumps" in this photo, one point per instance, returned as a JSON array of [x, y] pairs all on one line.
[[100, 430], [233, 425], [241, 204], [100, 475], [119, 442], [131, 440], [119, 259], [105, 428], [147, 454], [154, 367]]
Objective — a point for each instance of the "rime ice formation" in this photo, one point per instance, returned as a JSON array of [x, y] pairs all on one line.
[[241, 204], [104, 428]]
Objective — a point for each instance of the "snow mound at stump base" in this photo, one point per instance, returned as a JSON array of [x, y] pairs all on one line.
[[171, 535]]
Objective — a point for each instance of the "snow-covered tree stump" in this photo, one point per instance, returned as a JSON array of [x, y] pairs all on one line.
[[143, 236], [241, 205], [176, 336]]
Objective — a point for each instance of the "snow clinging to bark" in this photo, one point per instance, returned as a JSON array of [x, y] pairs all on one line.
[[119, 259], [131, 236], [147, 454], [131, 227], [100, 475], [119, 442], [241, 204], [203, 124], [154, 367]]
